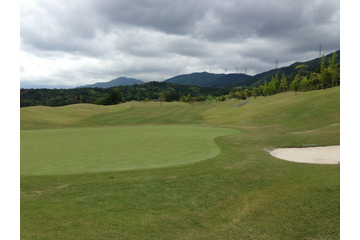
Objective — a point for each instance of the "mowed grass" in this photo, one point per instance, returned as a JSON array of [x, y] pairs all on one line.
[[130, 113], [99, 149], [241, 193]]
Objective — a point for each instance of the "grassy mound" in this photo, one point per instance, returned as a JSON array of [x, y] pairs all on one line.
[[130, 113]]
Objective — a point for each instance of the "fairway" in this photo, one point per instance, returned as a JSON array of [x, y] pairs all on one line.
[[99, 149]]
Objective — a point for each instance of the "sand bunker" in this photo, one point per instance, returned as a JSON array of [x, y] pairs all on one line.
[[317, 155]]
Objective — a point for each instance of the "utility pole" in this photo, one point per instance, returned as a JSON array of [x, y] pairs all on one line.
[[276, 63], [320, 46]]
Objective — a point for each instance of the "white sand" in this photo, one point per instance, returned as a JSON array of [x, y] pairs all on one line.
[[317, 155]]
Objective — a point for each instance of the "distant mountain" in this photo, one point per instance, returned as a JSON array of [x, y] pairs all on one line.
[[206, 79], [124, 81], [199, 79], [233, 79]]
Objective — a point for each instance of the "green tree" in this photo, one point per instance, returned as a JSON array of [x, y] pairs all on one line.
[[189, 99], [322, 64], [334, 69], [247, 93], [260, 90], [272, 88], [161, 99], [182, 98], [239, 95], [324, 77], [114, 96], [276, 83], [304, 84], [301, 69], [210, 98], [295, 84], [221, 98], [266, 89], [314, 80], [283, 83], [231, 95], [255, 92]]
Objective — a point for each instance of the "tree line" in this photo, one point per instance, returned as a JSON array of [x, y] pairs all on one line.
[[327, 76], [107, 96]]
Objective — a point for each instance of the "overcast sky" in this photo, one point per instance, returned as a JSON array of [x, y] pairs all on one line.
[[72, 43]]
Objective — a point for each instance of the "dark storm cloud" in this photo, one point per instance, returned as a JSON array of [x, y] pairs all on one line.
[[133, 38], [173, 17]]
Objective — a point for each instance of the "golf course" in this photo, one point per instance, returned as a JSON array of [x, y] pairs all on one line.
[[174, 170]]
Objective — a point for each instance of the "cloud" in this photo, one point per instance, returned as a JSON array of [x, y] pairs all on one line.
[[171, 17], [86, 41]]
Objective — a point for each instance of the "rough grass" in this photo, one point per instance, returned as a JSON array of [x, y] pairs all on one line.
[[243, 193]]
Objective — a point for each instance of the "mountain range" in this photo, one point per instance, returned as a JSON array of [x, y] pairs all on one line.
[[205, 79], [124, 81]]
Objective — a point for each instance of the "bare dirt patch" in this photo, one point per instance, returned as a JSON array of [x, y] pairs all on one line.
[[315, 155]]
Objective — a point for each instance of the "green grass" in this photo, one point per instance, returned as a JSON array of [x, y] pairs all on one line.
[[41, 117], [99, 149], [241, 193], [131, 113]]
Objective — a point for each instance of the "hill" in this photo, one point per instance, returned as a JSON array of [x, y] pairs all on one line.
[[206, 79], [124, 81], [199, 79]]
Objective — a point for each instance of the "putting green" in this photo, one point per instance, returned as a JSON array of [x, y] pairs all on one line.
[[82, 150]]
